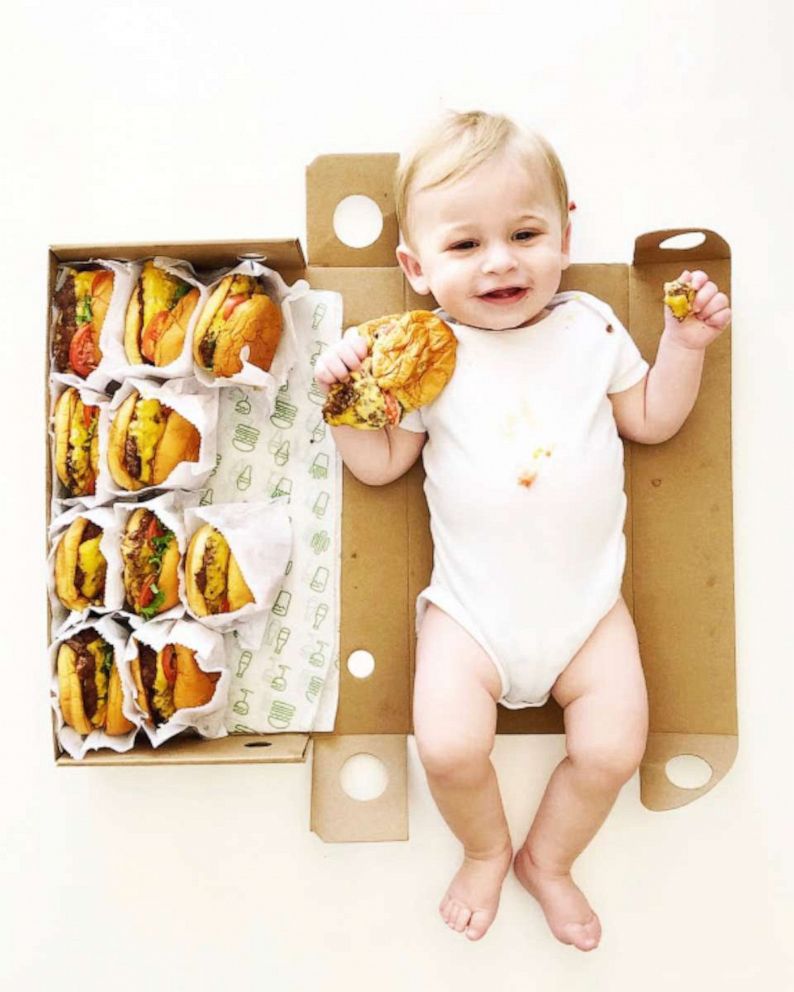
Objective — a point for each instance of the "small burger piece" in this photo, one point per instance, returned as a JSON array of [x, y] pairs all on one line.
[[147, 441], [80, 566], [89, 685], [679, 296], [238, 314], [213, 580], [411, 358], [150, 558], [158, 315], [169, 680], [76, 443], [82, 302]]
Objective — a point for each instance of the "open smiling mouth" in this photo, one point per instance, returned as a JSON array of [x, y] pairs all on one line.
[[510, 294]]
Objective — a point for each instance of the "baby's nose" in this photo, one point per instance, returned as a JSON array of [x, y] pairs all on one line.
[[498, 258]]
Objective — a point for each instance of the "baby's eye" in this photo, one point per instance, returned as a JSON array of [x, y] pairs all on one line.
[[463, 246], [525, 235]]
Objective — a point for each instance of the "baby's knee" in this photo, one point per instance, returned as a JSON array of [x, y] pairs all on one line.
[[610, 763], [452, 757]]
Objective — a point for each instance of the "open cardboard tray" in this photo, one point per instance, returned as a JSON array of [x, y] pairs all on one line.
[[679, 573]]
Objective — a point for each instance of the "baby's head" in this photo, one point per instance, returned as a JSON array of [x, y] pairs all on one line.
[[483, 211]]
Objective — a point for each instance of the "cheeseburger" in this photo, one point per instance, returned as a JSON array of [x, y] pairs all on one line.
[[147, 441], [213, 581], [76, 443], [410, 359], [157, 317], [169, 680], [679, 297], [80, 566], [150, 558], [89, 685], [82, 302], [239, 314]]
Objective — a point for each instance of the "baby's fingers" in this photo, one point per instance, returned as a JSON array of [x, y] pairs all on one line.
[[357, 343], [719, 320]]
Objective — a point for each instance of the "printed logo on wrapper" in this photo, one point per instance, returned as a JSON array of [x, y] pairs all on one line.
[[259, 535], [73, 743], [207, 720]]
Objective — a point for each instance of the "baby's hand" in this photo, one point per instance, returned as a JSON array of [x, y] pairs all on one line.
[[337, 362], [710, 313]]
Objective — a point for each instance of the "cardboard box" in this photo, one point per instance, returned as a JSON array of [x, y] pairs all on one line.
[[679, 574]]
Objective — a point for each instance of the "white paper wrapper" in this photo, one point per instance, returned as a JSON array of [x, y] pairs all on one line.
[[287, 351], [260, 538], [208, 645], [124, 277], [73, 743], [115, 356], [104, 517], [194, 403], [168, 507], [61, 501]]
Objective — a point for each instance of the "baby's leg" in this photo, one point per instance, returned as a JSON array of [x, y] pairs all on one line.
[[455, 693], [605, 706]]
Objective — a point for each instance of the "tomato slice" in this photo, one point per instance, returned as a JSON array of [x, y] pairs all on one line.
[[225, 604], [152, 333], [100, 281], [146, 591], [393, 409], [84, 353], [230, 303], [168, 658], [89, 412], [154, 529]]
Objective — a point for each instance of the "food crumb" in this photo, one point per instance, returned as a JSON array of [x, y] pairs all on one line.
[[527, 478]]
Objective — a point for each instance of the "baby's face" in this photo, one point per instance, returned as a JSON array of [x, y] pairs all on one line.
[[489, 246]]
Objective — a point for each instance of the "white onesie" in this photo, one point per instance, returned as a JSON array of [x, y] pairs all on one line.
[[524, 483]]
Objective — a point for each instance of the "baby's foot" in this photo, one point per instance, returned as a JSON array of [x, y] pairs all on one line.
[[472, 898], [568, 913]]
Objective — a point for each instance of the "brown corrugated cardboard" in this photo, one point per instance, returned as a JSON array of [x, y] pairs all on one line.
[[679, 575]]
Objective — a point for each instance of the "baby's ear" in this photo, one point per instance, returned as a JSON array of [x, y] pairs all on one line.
[[412, 268]]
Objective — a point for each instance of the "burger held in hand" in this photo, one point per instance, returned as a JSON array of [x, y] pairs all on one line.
[[76, 443], [80, 566], [147, 441], [169, 680], [238, 314], [214, 583], [158, 315], [410, 358], [82, 302], [89, 686], [150, 561]]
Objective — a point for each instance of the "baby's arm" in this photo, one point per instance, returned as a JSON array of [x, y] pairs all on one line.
[[374, 457], [654, 409]]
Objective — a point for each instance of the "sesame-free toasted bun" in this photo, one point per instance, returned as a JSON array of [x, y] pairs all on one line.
[[117, 439], [137, 678], [66, 565], [180, 443], [132, 330], [64, 409], [70, 693], [100, 302], [193, 560], [255, 323], [211, 307], [193, 686], [115, 721], [171, 341], [237, 590]]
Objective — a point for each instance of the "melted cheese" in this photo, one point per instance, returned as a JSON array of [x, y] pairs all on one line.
[[92, 565], [81, 443], [217, 556], [159, 288], [82, 286], [147, 427], [101, 679], [163, 693]]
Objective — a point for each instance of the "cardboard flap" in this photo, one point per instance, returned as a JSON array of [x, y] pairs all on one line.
[[331, 179], [657, 792], [335, 817], [284, 255], [647, 247], [186, 749]]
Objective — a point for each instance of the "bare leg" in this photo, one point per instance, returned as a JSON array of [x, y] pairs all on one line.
[[455, 695], [605, 706]]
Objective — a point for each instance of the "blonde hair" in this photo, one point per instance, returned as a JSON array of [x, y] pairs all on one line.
[[458, 143]]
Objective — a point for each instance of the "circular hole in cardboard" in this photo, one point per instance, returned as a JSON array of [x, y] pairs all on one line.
[[688, 771], [361, 664], [691, 239], [364, 777], [358, 221]]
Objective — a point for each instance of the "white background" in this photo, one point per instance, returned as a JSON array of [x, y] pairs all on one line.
[[171, 120]]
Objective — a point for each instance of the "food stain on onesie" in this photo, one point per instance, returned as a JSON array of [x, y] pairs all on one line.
[[528, 475], [523, 434]]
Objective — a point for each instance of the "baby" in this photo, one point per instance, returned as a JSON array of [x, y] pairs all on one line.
[[524, 483]]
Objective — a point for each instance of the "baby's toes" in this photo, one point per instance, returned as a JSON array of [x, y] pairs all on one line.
[[480, 921], [445, 909], [460, 917]]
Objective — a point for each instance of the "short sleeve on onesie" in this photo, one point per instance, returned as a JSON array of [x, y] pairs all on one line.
[[413, 422]]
